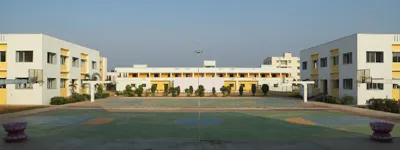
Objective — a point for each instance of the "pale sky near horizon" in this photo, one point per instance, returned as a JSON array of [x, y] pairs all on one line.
[[235, 33]]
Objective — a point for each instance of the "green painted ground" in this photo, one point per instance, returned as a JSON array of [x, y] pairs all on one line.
[[243, 102], [162, 125]]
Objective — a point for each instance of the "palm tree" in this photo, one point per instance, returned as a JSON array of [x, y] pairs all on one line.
[[94, 77]]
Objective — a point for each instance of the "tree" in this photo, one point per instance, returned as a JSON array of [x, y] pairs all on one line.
[[165, 89], [172, 91], [128, 91], [139, 91], [265, 89], [153, 89], [214, 91], [228, 90], [223, 90], [200, 91], [241, 90], [191, 90], [100, 88], [178, 91], [187, 92], [253, 89]]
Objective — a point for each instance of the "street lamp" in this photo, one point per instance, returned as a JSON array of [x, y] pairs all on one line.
[[198, 51]]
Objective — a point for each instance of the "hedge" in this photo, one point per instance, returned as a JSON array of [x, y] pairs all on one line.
[[387, 105]]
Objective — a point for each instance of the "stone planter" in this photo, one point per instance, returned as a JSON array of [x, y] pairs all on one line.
[[381, 131], [15, 131]]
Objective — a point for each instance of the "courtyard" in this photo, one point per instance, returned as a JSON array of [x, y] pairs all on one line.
[[177, 123]]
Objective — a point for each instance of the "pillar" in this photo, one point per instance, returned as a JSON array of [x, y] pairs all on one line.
[[305, 92], [259, 75], [138, 75], [248, 75], [170, 75], [236, 85]]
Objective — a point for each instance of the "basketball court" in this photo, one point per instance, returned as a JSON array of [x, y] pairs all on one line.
[[221, 123]]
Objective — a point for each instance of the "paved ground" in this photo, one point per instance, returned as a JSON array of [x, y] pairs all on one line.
[[66, 128], [16, 108]]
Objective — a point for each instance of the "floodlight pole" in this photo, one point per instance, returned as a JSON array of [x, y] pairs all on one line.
[[198, 52]]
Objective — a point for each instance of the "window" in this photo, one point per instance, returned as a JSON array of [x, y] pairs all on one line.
[[24, 56], [156, 75], [2, 56], [231, 85], [275, 85], [187, 75], [324, 62], [263, 75], [396, 86], [176, 75], [133, 85], [62, 83], [242, 85], [51, 58], [51, 83], [274, 75], [348, 84], [255, 75], [316, 83], [374, 86], [63, 60], [304, 65], [231, 75], [23, 86], [94, 65], [347, 58], [3, 86], [335, 84], [315, 62], [75, 62], [169, 75], [242, 75], [396, 56], [335, 60], [143, 85], [374, 57], [221, 75], [213, 75], [83, 63]]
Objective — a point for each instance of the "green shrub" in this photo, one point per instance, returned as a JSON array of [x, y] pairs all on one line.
[[253, 89], [191, 90], [178, 91], [139, 91], [166, 90], [265, 89], [187, 92], [153, 89], [76, 97], [100, 88], [223, 90], [332, 100], [101, 95], [228, 90], [172, 91], [128, 91], [346, 100], [200, 91], [387, 105], [58, 100], [118, 93], [241, 90], [214, 92], [87, 96]]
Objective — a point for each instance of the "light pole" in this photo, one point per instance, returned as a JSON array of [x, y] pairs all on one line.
[[198, 52]]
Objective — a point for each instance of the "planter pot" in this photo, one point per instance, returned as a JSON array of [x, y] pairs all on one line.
[[15, 131], [381, 131]]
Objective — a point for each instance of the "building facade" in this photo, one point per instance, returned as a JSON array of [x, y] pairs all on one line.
[[278, 79], [62, 65], [335, 67], [286, 61]]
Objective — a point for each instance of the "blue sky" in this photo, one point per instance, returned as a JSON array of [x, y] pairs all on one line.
[[236, 33]]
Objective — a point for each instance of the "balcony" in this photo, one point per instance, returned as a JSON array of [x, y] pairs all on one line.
[[64, 68]]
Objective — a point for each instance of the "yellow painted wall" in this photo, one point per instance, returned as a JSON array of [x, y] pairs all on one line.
[[173, 75], [247, 84], [3, 47], [64, 92], [3, 74], [227, 83], [164, 75], [160, 84], [396, 94], [143, 75], [84, 56], [335, 68], [197, 75], [396, 74], [209, 75], [64, 75], [334, 52], [82, 76], [334, 91], [252, 75], [223, 75], [314, 57], [3, 65], [84, 70], [3, 96], [64, 52], [395, 66], [396, 47], [64, 68], [277, 75], [335, 75]]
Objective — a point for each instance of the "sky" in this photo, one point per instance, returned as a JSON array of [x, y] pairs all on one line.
[[162, 33]]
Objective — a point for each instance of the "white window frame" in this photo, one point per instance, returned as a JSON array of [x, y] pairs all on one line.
[[83, 63], [63, 59], [396, 57], [315, 64], [62, 83], [372, 57], [75, 62], [335, 60], [51, 58], [51, 83], [348, 58], [23, 54], [304, 65], [94, 65], [324, 62]]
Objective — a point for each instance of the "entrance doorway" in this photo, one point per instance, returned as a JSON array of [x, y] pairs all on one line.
[[324, 86]]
